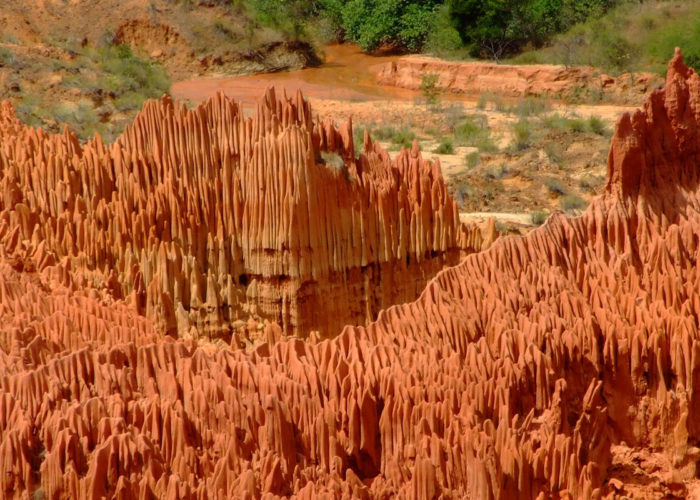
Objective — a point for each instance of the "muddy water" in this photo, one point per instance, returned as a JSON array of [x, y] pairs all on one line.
[[345, 75]]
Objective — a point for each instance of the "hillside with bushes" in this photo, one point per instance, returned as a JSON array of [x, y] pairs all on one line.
[[92, 64], [615, 35]]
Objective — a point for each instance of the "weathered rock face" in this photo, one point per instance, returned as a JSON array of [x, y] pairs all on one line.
[[510, 80], [509, 377], [203, 217]]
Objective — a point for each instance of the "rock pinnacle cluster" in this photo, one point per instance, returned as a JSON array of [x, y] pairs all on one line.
[[205, 217], [511, 376]]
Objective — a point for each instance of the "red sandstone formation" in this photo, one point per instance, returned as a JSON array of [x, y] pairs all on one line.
[[510, 376], [509, 80], [204, 217]]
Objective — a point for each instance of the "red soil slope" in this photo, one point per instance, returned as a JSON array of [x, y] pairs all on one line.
[[510, 376]]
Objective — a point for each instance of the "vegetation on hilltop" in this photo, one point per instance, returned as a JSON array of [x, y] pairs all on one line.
[[483, 28], [615, 35], [93, 64], [632, 36]]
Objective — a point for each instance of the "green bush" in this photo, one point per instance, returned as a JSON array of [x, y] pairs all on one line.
[[683, 33], [445, 147], [288, 17], [443, 38], [555, 121], [495, 171], [7, 57], [474, 131], [596, 125], [576, 125], [429, 89], [129, 100], [530, 106], [591, 182], [632, 36], [403, 137], [555, 186], [488, 97], [82, 118], [523, 135], [537, 217], [473, 159], [383, 133], [555, 152], [123, 72], [570, 203], [471, 129], [371, 23]]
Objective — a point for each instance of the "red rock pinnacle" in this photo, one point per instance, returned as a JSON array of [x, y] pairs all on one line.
[[203, 217]]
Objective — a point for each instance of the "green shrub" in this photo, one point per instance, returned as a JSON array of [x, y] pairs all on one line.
[[488, 97], [129, 100], [555, 186], [332, 160], [474, 131], [596, 125], [591, 182], [403, 137], [7, 57], [453, 115], [383, 133], [358, 139], [523, 135], [473, 159], [577, 125], [429, 89], [445, 147], [373, 22], [683, 33], [537, 217], [495, 171], [570, 203], [443, 38], [82, 118], [485, 144], [123, 72], [530, 106], [555, 152], [471, 128], [555, 121]]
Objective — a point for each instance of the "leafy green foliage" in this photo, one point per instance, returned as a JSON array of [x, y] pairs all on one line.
[[523, 135], [7, 57], [495, 28], [572, 203], [487, 28], [537, 217], [289, 17], [124, 73], [555, 186], [372, 23], [445, 147], [630, 36], [685, 34], [429, 89]]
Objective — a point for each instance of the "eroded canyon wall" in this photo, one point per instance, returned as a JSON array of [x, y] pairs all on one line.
[[509, 377], [204, 217], [475, 78]]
